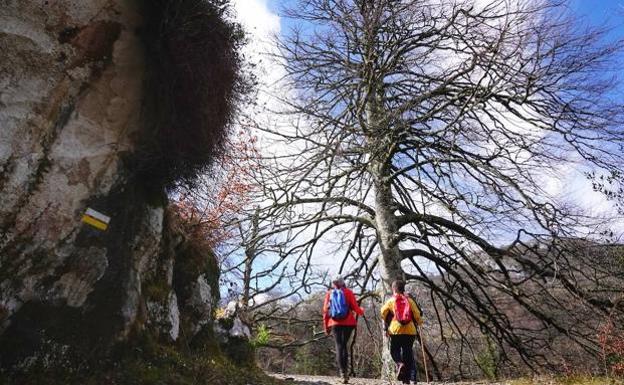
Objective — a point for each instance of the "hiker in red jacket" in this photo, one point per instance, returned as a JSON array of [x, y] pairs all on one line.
[[338, 316]]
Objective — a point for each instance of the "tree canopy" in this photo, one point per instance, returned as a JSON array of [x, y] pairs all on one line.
[[421, 137]]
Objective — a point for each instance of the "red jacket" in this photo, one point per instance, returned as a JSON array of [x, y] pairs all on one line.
[[349, 320]]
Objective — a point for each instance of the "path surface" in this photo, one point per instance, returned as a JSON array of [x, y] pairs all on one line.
[[322, 380]]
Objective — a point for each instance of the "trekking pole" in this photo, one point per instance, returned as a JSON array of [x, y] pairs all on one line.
[[352, 369], [422, 346]]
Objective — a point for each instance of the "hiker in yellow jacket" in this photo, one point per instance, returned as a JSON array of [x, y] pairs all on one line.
[[401, 316]]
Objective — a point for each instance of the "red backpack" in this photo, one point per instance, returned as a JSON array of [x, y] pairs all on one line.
[[402, 309]]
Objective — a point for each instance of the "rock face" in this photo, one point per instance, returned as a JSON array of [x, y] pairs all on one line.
[[72, 91]]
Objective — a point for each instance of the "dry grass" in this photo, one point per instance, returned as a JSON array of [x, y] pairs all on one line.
[[567, 380]]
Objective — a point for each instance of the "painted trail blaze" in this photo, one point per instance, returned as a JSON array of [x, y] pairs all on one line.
[[95, 219]]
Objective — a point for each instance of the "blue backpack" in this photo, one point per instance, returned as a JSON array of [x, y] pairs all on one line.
[[338, 308]]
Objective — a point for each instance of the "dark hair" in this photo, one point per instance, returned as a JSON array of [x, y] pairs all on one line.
[[398, 286]]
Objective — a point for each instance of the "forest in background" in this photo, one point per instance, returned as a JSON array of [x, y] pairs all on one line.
[[292, 338]]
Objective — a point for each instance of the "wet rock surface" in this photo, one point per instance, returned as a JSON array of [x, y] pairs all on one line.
[[72, 99]]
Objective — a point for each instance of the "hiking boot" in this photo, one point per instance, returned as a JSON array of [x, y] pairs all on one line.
[[345, 378]]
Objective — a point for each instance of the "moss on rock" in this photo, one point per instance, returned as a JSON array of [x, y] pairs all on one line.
[[146, 361], [156, 291], [239, 350]]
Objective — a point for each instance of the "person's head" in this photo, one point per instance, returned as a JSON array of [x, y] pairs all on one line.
[[338, 281], [398, 287]]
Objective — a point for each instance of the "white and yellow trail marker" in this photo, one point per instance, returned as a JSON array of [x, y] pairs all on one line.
[[95, 219]]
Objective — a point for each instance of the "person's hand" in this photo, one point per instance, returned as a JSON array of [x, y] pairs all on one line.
[[327, 331]]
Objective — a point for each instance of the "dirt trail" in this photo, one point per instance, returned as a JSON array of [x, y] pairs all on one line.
[[323, 380]]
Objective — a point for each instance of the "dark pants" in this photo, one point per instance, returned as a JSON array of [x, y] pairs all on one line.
[[401, 351], [342, 335]]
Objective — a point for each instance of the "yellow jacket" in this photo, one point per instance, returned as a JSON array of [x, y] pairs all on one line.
[[395, 326]]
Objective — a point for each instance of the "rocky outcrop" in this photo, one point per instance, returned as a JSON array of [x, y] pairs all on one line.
[[75, 132]]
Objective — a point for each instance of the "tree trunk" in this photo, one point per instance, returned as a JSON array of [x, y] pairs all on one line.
[[249, 256], [251, 252], [389, 258], [385, 220]]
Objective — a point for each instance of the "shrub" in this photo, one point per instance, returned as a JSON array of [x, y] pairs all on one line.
[[611, 341], [193, 82], [262, 337], [488, 360]]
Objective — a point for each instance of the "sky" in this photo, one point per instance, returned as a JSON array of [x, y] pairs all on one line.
[[261, 19], [598, 12], [595, 11]]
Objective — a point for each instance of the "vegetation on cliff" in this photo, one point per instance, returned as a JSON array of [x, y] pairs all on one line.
[[117, 103]]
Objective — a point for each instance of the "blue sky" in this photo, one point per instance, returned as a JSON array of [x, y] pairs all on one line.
[[595, 12], [599, 11]]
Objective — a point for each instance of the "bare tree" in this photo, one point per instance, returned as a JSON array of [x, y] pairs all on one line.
[[259, 273], [421, 135]]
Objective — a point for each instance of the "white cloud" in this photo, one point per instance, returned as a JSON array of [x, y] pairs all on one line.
[[568, 184], [261, 25], [256, 15]]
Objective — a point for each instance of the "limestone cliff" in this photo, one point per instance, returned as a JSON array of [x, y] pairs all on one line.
[[87, 110]]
